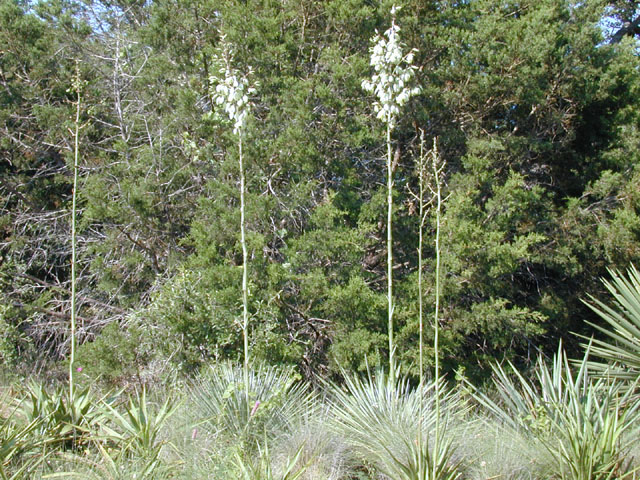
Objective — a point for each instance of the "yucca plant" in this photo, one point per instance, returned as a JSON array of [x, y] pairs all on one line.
[[276, 401], [325, 453], [138, 430], [381, 417], [391, 85], [62, 421], [17, 446], [580, 422], [108, 464], [424, 462], [231, 92], [620, 352], [261, 468]]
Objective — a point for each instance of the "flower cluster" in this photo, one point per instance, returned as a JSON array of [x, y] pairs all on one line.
[[232, 91], [394, 72]]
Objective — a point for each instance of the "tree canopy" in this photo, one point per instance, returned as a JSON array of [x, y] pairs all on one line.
[[533, 103]]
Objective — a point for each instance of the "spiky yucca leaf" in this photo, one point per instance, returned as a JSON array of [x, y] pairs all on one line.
[[277, 399], [580, 422], [621, 352], [434, 462], [380, 417], [109, 464], [62, 420], [262, 469], [138, 430], [19, 447]]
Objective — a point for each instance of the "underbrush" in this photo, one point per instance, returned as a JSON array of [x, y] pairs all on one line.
[[557, 423]]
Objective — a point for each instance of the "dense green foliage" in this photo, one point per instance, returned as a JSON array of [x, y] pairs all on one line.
[[533, 105]]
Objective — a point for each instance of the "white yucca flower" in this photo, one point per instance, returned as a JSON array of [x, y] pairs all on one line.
[[393, 73], [231, 89]]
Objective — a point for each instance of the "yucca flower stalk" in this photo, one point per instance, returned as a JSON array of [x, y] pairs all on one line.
[[77, 86], [431, 182], [390, 84], [419, 197], [231, 90], [421, 173], [436, 190]]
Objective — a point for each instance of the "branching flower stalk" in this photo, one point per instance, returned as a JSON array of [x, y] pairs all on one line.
[[436, 189], [231, 92], [390, 84], [429, 178], [422, 213]]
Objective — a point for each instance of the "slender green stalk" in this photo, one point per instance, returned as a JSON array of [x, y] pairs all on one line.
[[435, 187], [392, 368], [437, 171], [422, 206], [394, 71], [231, 92], [74, 194], [245, 288]]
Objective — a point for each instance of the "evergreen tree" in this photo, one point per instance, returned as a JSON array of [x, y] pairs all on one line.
[[534, 106]]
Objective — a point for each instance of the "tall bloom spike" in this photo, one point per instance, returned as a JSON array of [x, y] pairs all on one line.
[[393, 73], [231, 89], [391, 85]]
